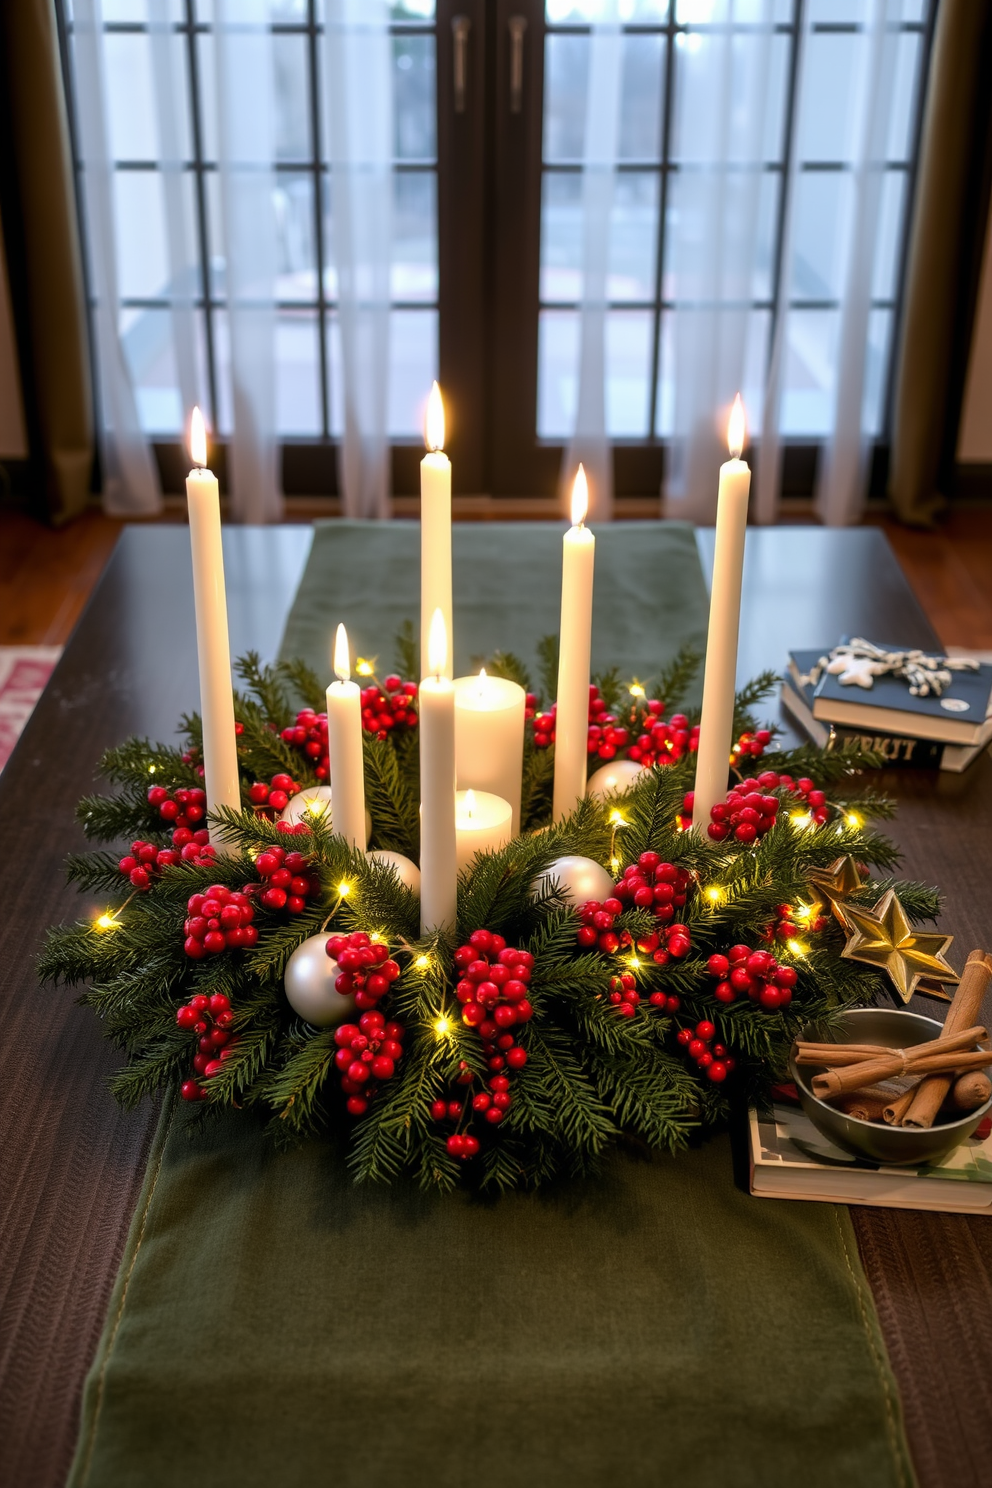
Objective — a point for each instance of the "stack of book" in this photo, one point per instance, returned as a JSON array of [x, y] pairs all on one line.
[[790, 1159], [920, 733]]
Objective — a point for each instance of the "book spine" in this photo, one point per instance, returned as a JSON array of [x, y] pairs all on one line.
[[898, 751]]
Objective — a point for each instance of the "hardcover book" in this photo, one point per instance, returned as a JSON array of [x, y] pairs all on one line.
[[899, 751], [791, 1159], [958, 716]]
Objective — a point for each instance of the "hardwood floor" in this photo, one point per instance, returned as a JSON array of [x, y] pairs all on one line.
[[46, 576]]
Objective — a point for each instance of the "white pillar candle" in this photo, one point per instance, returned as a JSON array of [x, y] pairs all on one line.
[[489, 737], [213, 648], [719, 679], [483, 823], [344, 748], [575, 646], [438, 848], [435, 534]]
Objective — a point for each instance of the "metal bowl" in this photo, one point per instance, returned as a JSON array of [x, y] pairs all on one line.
[[906, 1146]]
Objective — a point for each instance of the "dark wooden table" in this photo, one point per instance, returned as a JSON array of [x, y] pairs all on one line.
[[73, 1163]]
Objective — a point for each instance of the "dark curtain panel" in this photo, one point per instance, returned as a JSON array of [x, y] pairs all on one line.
[[946, 236], [41, 231]]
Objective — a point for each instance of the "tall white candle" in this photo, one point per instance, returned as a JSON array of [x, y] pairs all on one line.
[[575, 647], [344, 747], [719, 679], [483, 823], [435, 533], [213, 647], [438, 848], [489, 737]]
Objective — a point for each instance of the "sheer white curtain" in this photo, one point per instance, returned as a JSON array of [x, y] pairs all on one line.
[[245, 77], [720, 141], [130, 477], [359, 110], [589, 443]]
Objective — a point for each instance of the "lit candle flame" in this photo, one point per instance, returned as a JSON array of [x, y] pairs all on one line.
[[342, 661], [580, 497], [469, 805], [198, 440], [736, 429], [434, 423], [437, 643]]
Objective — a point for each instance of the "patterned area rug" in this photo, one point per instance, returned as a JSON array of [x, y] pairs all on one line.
[[24, 670]]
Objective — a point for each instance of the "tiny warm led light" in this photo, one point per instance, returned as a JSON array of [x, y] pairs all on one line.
[[616, 819], [801, 818], [344, 889], [853, 819], [803, 911], [342, 661], [442, 1025], [198, 440], [437, 644], [364, 668], [615, 865], [580, 497], [713, 894], [736, 429], [434, 423], [422, 963], [151, 769], [106, 922], [635, 689], [796, 947], [633, 963]]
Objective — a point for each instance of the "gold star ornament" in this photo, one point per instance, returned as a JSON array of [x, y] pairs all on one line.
[[836, 883], [883, 937]]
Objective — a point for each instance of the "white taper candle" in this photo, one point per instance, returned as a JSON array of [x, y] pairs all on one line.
[[344, 748], [435, 533], [575, 649], [213, 647], [438, 848], [719, 679]]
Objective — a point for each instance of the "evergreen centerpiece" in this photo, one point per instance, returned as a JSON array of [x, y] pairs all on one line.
[[612, 976]]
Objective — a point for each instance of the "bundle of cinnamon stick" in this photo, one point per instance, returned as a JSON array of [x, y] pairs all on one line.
[[944, 1074]]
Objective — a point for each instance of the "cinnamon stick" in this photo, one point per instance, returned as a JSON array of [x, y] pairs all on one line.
[[894, 1112], [969, 1092], [965, 1008], [864, 1105], [836, 1082]]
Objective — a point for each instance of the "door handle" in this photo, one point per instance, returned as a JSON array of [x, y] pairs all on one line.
[[460, 27], [518, 25]]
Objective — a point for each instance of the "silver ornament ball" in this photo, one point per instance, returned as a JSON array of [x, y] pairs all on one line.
[[309, 983], [315, 801], [579, 879], [615, 778], [406, 871]]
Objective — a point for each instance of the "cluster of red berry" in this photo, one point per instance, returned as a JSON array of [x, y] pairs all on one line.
[[145, 860], [747, 813], [289, 883], [492, 989], [664, 741], [752, 745], [389, 707], [218, 920], [625, 997], [606, 734], [651, 884], [784, 928], [270, 799], [367, 1054], [365, 968], [211, 1019], [755, 972], [182, 808], [717, 1063], [309, 733]]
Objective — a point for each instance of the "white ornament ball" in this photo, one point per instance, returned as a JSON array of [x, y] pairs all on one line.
[[406, 871], [614, 778], [315, 800], [309, 983], [579, 879]]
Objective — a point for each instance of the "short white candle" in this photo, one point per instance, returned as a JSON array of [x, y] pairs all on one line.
[[719, 679], [575, 648], [344, 748], [438, 847], [489, 737], [483, 823], [213, 648], [435, 533]]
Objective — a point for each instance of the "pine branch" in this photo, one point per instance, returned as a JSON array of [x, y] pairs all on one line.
[[305, 683], [547, 656], [407, 652], [674, 680], [505, 664]]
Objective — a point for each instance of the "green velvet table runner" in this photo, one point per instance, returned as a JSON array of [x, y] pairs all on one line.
[[272, 1326]]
